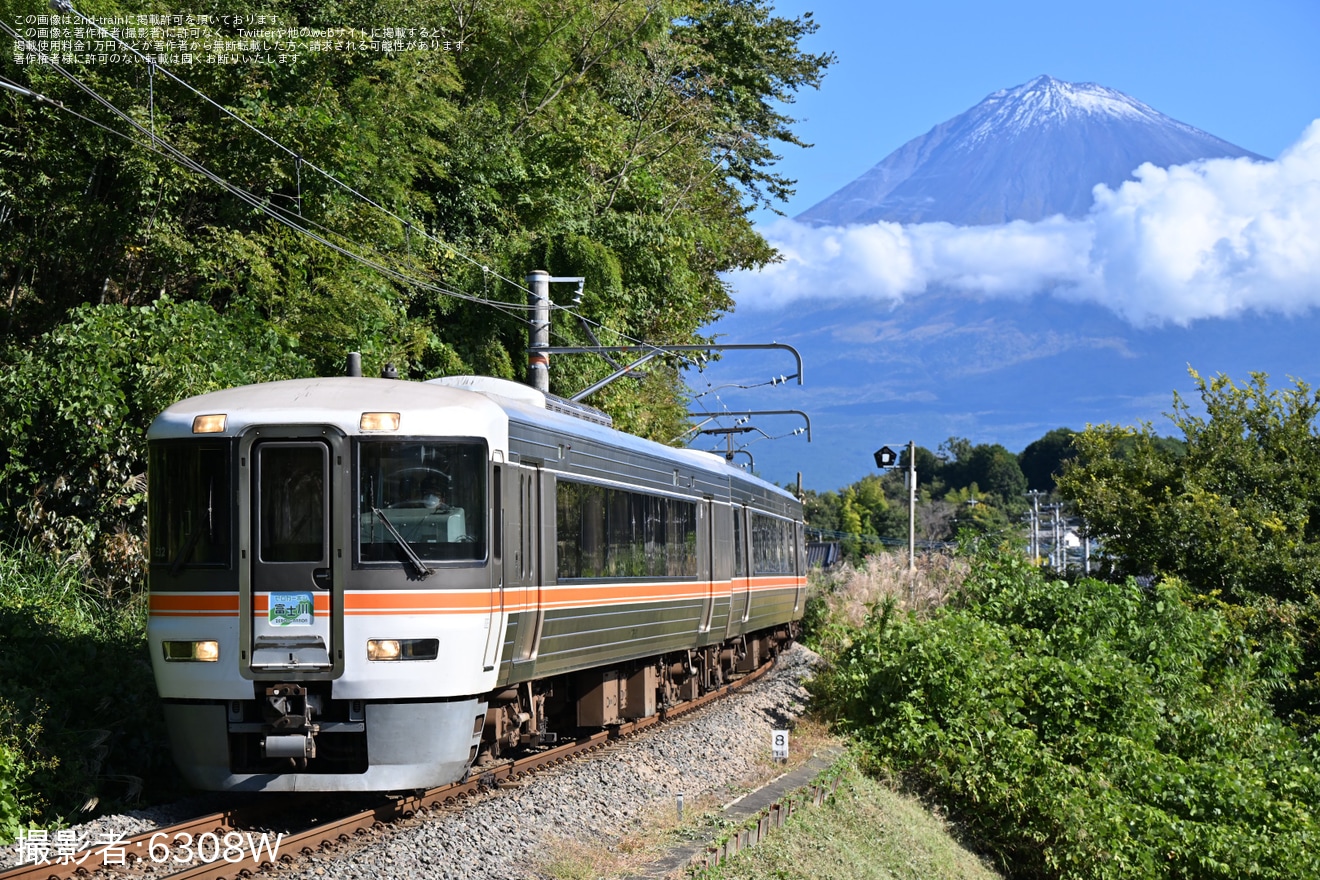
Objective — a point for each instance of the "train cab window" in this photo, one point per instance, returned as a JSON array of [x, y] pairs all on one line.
[[429, 494], [190, 503], [292, 510]]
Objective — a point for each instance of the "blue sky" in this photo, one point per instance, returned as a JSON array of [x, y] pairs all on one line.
[[1246, 72], [897, 366]]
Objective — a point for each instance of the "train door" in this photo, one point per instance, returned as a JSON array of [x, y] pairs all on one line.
[[498, 606], [706, 564], [522, 562], [741, 602], [291, 555]]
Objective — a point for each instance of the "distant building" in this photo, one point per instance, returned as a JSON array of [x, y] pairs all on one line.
[[824, 554]]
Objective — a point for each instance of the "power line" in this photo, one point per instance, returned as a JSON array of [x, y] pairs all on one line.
[[363, 254], [158, 145], [293, 154]]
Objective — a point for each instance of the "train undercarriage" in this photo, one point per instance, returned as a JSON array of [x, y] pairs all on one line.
[[292, 728], [536, 713]]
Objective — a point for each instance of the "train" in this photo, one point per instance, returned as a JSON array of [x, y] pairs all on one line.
[[362, 584]]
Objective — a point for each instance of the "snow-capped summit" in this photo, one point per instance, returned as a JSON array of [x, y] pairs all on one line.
[[1023, 153], [1048, 101]]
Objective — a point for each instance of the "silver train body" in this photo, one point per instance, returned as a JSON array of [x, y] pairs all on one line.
[[372, 584]]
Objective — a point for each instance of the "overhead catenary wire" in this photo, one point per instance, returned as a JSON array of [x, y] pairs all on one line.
[[298, 159], [160, 146]]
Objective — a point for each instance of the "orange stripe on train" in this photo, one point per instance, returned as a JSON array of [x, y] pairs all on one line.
[[553, 596]]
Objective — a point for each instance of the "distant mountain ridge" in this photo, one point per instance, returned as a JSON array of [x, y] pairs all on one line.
[[1023, 153]]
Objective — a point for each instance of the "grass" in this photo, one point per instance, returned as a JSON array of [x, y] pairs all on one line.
[[839, 600], [80, 725], [866, 831]]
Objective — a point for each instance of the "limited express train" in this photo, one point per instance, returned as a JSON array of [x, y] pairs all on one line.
[[374, 584]]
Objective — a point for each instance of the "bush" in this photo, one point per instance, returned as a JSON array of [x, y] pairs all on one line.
[[1084, 731], [76, 406], [80, 724], [9, 808]]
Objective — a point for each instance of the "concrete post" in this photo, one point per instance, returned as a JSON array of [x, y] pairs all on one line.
[[538, 361]]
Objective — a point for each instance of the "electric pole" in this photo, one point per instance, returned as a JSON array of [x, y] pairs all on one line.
[[538, 360], [912, 509], [1035, 525]]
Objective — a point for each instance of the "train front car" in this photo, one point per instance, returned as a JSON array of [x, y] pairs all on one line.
[[324, 610]]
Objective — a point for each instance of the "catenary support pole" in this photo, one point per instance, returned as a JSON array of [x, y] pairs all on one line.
[[538, 361]]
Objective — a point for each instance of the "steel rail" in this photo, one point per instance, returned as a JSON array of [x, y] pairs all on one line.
[[342, 830], [73, 864]]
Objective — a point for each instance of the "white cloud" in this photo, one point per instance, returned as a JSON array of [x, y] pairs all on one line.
[[1208, 239]]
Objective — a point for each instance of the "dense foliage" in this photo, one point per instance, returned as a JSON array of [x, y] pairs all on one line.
[[1043, 460], [618, 140], [1237, 509], [388, 202], [76, 407], [80, 725], [1233, 510], [1088, 730], [408, 195]]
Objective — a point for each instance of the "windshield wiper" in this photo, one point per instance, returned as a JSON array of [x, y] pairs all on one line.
[[423, 570], [176, 565]]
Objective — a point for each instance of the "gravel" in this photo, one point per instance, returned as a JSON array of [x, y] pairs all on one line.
[[592, 801], [596, 800]]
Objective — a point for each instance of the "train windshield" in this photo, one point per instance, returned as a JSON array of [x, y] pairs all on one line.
[[430, 495], [190, 513]]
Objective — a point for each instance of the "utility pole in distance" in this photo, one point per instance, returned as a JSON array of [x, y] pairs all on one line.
[[887, 458], [1034, 543], [912, 509]]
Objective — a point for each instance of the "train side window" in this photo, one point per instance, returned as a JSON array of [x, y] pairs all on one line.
[[772, 545], [604, 532]]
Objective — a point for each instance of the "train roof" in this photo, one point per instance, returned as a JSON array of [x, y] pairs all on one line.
[[339, 401], [450, 406], [529, 406]]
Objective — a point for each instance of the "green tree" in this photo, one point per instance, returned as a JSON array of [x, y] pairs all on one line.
[[614, 139], [1043, 460], [996, 471], [851, 524], [1237, 511], [76, 408], [1234, 510], [821, 510]]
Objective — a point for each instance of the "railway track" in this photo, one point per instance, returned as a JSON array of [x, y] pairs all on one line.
[[241, 844]]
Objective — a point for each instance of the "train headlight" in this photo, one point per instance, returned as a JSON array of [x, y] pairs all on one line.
[[212, 424], [379, 421], [383, 649], [205, 651], [403, 649]]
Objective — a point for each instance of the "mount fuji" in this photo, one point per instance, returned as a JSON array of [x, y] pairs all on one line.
[[1024, 153], [1057, 255]]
